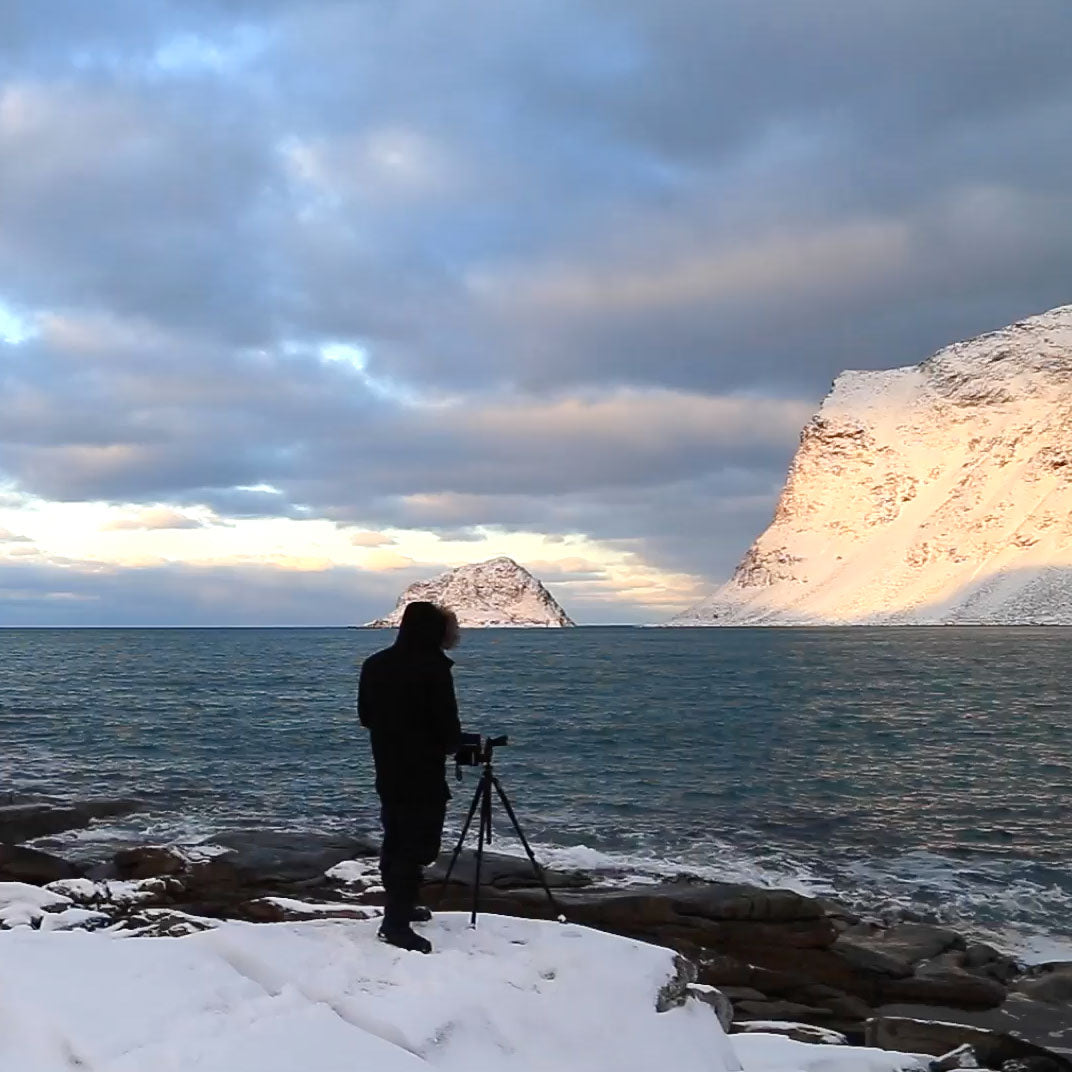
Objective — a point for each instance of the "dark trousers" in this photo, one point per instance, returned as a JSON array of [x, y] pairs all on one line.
[[411, 838]]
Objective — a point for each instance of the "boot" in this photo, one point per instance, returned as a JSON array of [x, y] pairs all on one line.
[[420, 914], [404, 937]]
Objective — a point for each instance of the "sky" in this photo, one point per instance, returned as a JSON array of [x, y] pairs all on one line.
[[303, 300]]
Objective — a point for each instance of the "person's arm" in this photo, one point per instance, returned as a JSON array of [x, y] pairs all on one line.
[[447, 727], [365, 700]]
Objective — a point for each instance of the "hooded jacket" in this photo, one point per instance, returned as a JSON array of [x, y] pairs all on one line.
[[405, 699]]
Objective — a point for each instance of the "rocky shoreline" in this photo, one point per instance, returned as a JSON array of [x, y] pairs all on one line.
[[774, 955]]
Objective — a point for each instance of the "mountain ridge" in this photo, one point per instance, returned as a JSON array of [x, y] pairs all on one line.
[[496, 593], [937, 493]]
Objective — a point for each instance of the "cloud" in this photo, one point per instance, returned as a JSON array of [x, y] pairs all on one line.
[[153, 520], [370, 539], [576, 265], [7, 536]]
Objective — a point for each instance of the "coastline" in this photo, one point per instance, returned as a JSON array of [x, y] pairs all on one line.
[[776, 954]]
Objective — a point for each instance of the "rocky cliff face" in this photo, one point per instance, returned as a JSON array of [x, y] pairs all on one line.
[[937, 493], [498, 592]]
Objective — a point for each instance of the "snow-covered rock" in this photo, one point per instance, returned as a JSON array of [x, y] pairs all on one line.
[[511, 996], [498, 592], [936, 493]]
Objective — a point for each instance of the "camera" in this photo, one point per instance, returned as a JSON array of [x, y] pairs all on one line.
[[475, 750]]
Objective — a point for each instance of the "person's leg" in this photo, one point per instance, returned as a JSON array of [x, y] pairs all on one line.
[[428, 837], [401, 875]]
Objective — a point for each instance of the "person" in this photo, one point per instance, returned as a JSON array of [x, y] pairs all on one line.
[[406, 700]]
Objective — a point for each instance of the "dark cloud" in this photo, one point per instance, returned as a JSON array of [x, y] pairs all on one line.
[[673, 215]]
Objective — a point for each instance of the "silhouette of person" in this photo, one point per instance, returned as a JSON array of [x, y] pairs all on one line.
[[405, 699]]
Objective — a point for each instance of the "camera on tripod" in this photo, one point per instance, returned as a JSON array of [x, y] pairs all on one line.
[[475, 750]]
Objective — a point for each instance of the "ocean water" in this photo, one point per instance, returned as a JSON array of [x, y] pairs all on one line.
[[910, 771]]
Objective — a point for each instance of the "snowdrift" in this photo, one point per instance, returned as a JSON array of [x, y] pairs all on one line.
[[326, 996]]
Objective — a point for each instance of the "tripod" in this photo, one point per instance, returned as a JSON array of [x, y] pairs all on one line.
[[482, 799]]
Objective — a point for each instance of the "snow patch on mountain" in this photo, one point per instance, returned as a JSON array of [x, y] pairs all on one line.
[[940, 493], [498, 592]]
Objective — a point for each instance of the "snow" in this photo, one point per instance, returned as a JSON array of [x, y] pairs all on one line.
[[496, 593], [23, 905], [940, 493], [326, 996]]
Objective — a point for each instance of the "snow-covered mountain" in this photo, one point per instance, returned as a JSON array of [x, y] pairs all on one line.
[[498, 592], [936, 493]]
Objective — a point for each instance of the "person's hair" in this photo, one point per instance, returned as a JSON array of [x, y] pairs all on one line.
[[425, 625]]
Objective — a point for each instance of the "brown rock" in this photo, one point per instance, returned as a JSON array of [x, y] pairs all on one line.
[[742, 993], [777, 1010], [992, 1048], [1051, 983], [942, 981], [282, 910], [20, 864], [148, 861], [895, 950]]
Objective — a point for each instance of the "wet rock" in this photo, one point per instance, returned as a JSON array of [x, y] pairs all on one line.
[[502, 872], [267, 858], [25, 822], [992, 1048], [20, 864]]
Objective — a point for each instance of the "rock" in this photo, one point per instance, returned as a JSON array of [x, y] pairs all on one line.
[[991, 1048], [816, 1036], [942, 981], [287, 910], [25, 822], [164, 923], [740, 993], [962, 1057], [502, 872], [777, 1010], [718, 1001], [986, 960], [1031, 1064], [1051, 983], [895, 950], [498, 592], [20, 864], [675, 991], [148, 861], [266, 858]]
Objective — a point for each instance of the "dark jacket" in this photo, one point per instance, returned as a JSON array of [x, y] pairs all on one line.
[[405, 698]]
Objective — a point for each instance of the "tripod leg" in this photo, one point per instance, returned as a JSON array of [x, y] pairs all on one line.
[[485, 828], [528, 848], [461, 842]]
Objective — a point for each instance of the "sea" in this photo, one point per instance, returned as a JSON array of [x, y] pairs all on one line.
[[921, 773]]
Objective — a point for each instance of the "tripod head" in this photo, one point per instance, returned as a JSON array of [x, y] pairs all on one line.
[[477, 751]]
